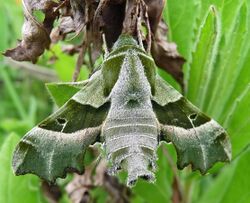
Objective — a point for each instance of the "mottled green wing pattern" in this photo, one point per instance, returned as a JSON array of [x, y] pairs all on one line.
[[199, 140], [59, 142], [50, 154]]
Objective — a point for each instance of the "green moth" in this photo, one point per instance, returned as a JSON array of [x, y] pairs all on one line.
[[126, 106]]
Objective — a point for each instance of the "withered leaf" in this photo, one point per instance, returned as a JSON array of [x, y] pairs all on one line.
[[96, 17], [42, 5], [66, 26], [78, 11], [35, 35], [109, 17], [166, 55], [155, 8]]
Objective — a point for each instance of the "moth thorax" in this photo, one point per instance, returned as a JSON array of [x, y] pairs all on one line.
[[132, 80]]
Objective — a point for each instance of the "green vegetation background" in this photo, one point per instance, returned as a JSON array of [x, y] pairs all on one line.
[[215, 42]]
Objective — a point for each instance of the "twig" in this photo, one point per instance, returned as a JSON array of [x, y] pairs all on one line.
[[149, 35], [79, 189], [64, 3], [177, 194], [130, 22], [79, 62], [37, 71], [91, 63], [105, 47], [12, 92], [99, 10], [139, 32]]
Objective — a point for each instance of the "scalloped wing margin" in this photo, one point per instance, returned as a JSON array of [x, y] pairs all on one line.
[[50, 154], [198, 140], [57, 145]]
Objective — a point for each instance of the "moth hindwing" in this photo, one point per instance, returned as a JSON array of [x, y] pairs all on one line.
[[130, 109]]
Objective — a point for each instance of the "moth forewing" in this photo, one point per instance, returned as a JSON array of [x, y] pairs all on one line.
[[58, 143]]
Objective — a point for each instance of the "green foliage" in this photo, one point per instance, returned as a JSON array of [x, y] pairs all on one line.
[[222, 82], [64, 64], [233, 183], [19, 110], [217, 75], [225, 97], [203, 59], [181, 17], [16, 189], [62, 92]]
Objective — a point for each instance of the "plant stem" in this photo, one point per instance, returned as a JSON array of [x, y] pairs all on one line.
[[12, 92]]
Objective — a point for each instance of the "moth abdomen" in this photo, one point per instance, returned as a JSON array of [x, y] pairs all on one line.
[[131, 141]]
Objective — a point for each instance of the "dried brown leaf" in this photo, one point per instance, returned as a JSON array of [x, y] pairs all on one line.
[[51, 192], [166, 55], [66, 26], [93, 18], [155, 8], [35, 35], [109, 18], [131, 17], [79, 188], [42, 5], [78, 14], [118, 192]]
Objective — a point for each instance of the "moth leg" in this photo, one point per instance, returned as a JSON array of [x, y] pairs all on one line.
[[139, 36], [105, 46]]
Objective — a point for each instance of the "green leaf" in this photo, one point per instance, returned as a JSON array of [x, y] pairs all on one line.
[[16, 189], [240, 131], [204, 56], [4, 25], [62, 92], [232, 185], [181, 16], [14, 125], [220, 86], [169, 79], [225, 72], [64, 65], [225, 94]]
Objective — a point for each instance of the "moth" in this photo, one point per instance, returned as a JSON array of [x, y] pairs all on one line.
[[129, 108]]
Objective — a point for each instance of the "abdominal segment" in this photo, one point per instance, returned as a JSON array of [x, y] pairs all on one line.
[[131, 139]]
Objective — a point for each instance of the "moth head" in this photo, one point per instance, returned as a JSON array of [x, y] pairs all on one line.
[[125, 40]]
